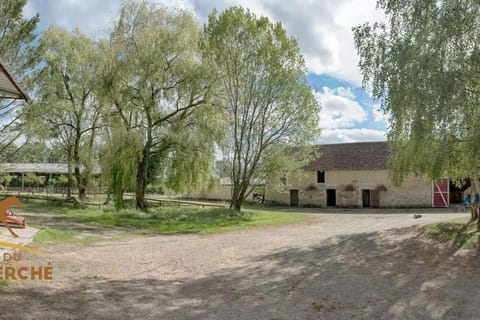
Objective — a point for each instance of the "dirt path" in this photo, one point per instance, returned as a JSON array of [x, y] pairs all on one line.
[[334, 267]]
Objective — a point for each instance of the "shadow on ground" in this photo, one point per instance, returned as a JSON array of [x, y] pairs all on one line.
[[387, 275], [459, 235]]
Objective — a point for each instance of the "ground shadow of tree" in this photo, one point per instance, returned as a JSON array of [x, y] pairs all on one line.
[[381, 275], [458, 235]]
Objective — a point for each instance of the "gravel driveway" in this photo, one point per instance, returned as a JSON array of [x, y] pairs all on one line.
[[345, 266]]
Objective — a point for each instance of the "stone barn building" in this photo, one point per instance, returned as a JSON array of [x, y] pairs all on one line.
[[355, 175]]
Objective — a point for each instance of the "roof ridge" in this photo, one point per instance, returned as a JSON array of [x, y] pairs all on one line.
[[353, 143], [352, 156]]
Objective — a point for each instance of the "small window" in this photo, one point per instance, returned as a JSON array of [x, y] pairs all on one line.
[[320, 176]]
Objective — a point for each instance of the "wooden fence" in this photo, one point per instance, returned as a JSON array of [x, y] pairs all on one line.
[[100, 205]]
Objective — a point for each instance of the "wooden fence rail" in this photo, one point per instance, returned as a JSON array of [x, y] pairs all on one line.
[[161, 202]]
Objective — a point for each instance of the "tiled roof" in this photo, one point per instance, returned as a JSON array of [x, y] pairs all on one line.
[[351, 156], [56, 168]]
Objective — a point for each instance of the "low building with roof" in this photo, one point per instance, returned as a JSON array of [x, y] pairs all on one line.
[[223, 191], [9, 87], [46, 170], [41, 169], [356, 175]]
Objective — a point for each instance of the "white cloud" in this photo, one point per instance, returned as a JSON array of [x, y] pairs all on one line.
[[91, 17], [338, 108], [323, 28], [379, 115], [344, 92], [352, 135]]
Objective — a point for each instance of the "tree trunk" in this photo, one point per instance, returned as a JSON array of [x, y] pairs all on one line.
[[82, 193], [141, 184], [82, 189], [69, 174], [236, 203], [142, 171], [474, 190]]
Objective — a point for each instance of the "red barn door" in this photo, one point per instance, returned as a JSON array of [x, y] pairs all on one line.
[[440, 194]]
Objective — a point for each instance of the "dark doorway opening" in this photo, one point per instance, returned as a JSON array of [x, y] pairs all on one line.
[[457, 188], [294, 198], [366, 198], [331, 198]]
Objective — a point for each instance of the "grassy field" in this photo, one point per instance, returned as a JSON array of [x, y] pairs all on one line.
[[54, 235], [460, 233], [160, 220]]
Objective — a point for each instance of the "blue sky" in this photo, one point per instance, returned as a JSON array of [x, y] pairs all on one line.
[[322, 27]]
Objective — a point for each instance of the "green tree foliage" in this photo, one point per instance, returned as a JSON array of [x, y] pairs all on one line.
[[33, 152], [5, 179], [266, 103], [63, 181], [19, 53], [32, 180], [157, 86], [66, 82], [423, 65], [17, 49], [120, 157]]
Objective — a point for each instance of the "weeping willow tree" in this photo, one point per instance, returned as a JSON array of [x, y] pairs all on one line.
[[155, 84], [189, 163], [424, 67], [119, 162]]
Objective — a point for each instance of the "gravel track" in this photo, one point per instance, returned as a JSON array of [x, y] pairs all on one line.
[[334, 266]]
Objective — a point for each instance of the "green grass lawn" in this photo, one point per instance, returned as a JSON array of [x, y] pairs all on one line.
[[161, 220], [53, 235], [4, 283], [460, 233]]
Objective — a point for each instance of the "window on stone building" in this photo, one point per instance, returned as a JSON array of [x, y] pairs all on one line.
[[320, 176]]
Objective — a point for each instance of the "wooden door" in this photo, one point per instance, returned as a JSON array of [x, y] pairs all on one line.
[[294, 198], [365, 198], [440, 194]]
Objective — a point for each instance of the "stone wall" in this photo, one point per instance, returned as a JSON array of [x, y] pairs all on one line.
[[221, 192], [310, 193], [346, 198], [414, 192]]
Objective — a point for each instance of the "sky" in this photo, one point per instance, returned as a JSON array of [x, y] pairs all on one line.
[[324, 32]]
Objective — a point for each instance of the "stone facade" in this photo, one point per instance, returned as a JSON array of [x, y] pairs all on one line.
[[223, 192], [345, 197], [346, 175], [353, 189]]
